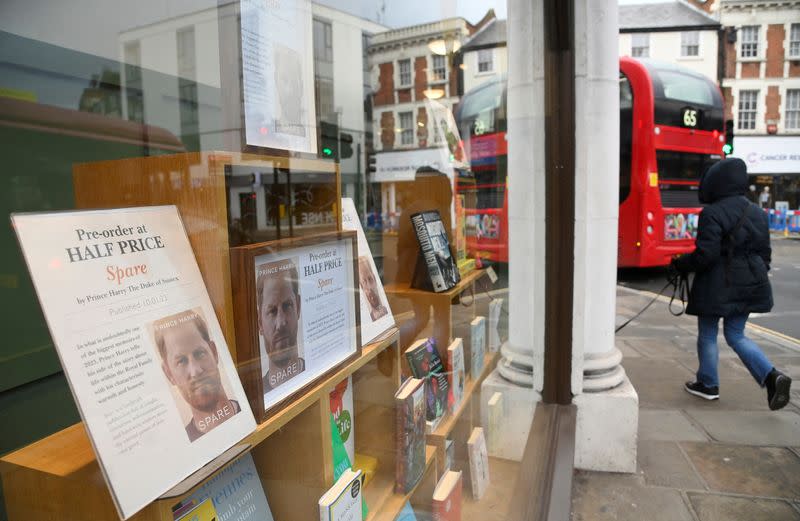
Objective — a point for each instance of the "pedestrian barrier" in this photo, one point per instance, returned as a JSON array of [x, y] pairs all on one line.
[[787, 221]]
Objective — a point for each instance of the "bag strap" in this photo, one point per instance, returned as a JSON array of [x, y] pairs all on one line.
[[730, 237]]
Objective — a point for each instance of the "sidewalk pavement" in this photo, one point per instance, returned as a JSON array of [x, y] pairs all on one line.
[[731, 459]]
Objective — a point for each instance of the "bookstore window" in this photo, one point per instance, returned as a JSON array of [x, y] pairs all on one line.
[[256, 234]]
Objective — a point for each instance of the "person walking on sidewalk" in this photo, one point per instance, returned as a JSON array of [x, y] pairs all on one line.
[[730, 261]]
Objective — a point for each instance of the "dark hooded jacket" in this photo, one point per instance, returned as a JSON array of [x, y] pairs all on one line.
[[732, 254]]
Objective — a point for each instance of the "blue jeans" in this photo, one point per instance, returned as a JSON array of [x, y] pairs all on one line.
[[708, 351]]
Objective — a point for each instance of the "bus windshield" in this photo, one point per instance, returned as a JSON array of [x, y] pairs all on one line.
[[683, 87]]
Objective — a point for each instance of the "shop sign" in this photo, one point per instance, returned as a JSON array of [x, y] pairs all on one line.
[[769, 155], [403, 165]]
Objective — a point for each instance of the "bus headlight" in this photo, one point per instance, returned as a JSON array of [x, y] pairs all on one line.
[[657, 131], [650, 216], [649, 230]]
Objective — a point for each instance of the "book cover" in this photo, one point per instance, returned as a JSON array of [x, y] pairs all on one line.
[[435, 250], [203, 512], [125, 304], [409, 434], [455, 372], [235, 491], [341, 402], [494, 340], [446, 504], [342, 502], [425, 363], [478, 463], [477, 346], [495, 419], [376, 316], [366, 464]]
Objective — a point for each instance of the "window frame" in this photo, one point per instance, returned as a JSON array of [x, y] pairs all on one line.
[[754, 47], [400, 73], [687, 45], [441, 75], [490, 61], [793, 47], [406, 134], [634, 47], [743, 108], [793, 110]]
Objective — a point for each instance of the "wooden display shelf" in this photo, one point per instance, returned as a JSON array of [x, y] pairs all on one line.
[[403, 299], [383, 503], [58, 477], [447, 424]]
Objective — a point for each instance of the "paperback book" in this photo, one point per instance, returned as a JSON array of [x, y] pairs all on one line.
[[495, 306], [478, 463], [446, 504], [341, 402], [342, 502], [477, 345], [495, 416], [410, 434], [236, 493], [426, 364], [442, 270], [455, 373]]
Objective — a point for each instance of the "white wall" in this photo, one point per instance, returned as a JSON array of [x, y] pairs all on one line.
[[473, 78], [666, 46]]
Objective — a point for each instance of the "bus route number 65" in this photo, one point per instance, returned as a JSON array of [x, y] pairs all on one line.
[[690, 117]]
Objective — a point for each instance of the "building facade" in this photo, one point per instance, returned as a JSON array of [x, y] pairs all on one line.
[[675, 32], [761, 86]]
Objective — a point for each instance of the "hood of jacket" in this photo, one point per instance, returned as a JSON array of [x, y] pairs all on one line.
[[724, 179]]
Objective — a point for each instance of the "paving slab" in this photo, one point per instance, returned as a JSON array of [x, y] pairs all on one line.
[[712, 507], [664, 465], [658, 383], [781, 428], [599, 496], [627, 350], [657, 347], [753, 471], [667, 425]]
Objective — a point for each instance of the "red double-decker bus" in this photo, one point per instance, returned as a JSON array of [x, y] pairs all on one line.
[[671, 130]]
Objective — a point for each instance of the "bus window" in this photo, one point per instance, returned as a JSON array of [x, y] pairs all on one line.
[[625, 136], [683, 87]]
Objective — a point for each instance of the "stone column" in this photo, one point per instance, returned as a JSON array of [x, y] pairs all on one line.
[[519, 373], [607, 403]]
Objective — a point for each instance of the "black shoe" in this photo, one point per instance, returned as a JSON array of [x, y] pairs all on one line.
[[778, 385], [698, 389]]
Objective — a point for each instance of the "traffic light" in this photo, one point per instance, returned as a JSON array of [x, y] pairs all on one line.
[[345, 145], [727, 148], [372, 164], [329, 139]]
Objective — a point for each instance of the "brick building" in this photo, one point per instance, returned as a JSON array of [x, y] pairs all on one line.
[[761, 86]]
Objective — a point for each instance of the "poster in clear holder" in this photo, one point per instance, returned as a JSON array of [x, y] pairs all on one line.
[[139, 343], [278, 75], [296, 314]]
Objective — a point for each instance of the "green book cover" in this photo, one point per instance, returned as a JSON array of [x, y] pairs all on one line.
[[341, 461]]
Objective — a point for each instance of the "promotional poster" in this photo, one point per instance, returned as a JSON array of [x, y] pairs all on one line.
[[305, 299], [139, 343], [376, 316], [278, 75]]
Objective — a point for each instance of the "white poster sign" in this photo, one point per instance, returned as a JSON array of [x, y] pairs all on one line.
[[403, 165], [139, 342], [446, 135], [278, 74], [376, 316], [768, 154]]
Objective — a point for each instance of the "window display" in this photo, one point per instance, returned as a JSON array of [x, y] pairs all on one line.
[[290, 307]]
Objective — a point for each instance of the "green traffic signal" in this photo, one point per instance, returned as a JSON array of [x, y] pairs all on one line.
[[327, 151], [727, 148]]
